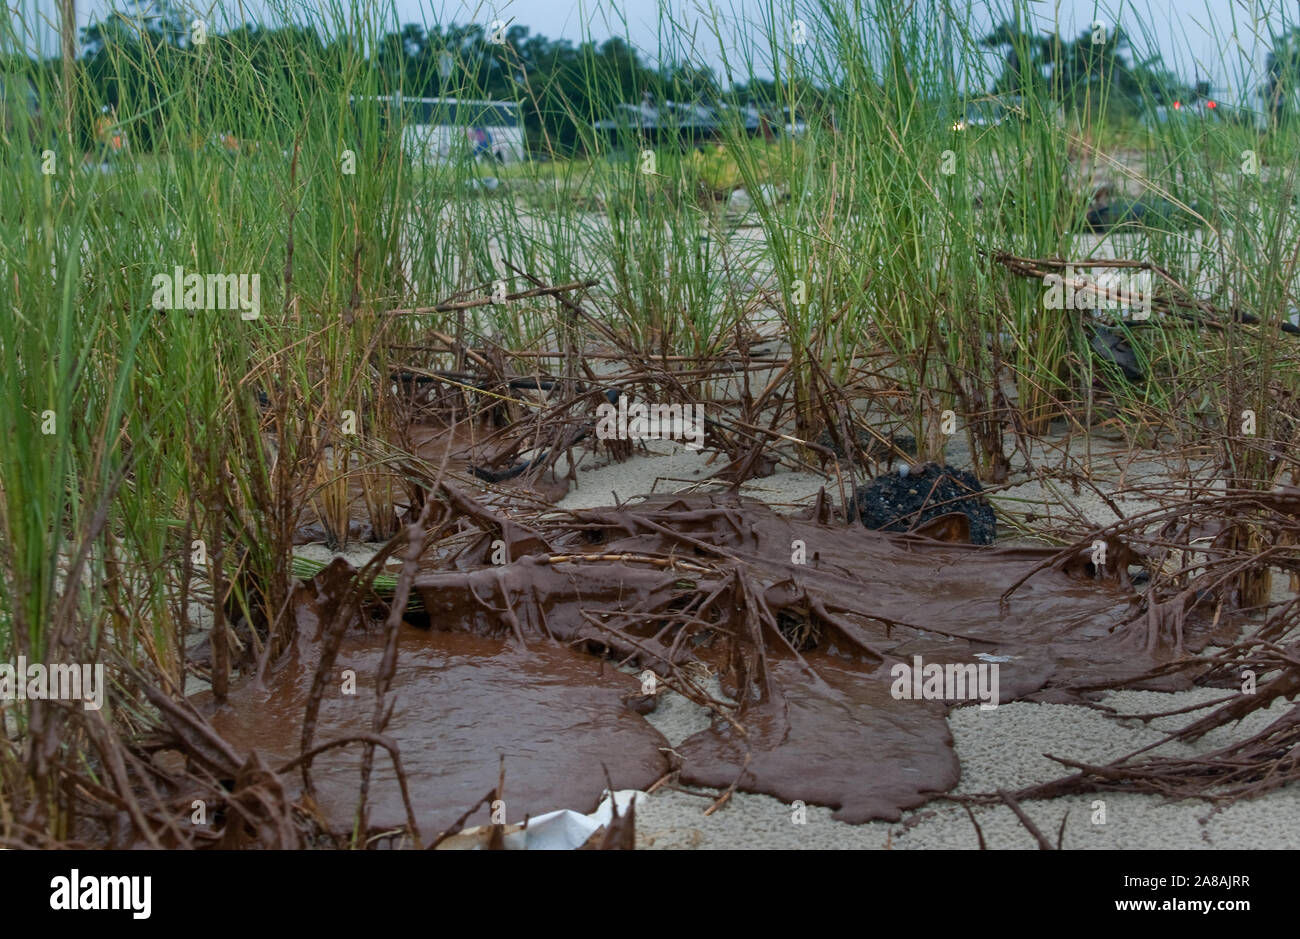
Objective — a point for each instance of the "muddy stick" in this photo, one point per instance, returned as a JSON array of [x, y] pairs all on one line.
[[1025, 820], [417, 535], [488, 301]]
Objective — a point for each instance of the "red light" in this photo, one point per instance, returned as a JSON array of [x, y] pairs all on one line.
[[1211, 104], [1177, 105]]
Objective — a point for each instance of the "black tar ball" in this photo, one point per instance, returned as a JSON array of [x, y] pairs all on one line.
[[895, 502]]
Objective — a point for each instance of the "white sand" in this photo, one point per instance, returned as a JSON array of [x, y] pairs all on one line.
[[1003, 748]]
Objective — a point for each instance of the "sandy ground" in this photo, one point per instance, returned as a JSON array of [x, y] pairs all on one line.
[[1004, 748]]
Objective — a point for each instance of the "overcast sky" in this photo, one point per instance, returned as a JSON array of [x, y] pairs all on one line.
[[1216, 40]]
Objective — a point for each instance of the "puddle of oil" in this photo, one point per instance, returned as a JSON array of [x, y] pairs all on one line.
[[462, 701], [829, 731]]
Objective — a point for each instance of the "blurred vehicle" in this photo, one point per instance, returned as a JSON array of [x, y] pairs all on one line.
[[990, 112], [1202, 103], [436, 130]]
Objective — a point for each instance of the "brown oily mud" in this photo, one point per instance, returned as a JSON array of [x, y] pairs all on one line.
[[462, 702], [802, 622]]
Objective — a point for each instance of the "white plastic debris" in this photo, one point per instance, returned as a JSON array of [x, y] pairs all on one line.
[[562, 830]]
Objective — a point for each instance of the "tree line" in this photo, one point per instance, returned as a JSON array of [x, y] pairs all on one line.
[[127, 63]]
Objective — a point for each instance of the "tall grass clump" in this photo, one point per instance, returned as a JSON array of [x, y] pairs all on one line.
[[162, 459]]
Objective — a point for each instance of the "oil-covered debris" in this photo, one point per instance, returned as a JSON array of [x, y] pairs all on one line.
[[907, 500], [540, 660], [880, 448], [1115, 350], [791, 631], [1110, 211]]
